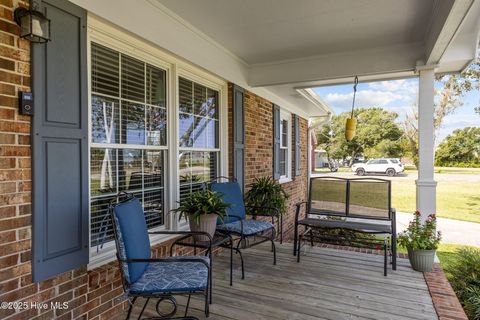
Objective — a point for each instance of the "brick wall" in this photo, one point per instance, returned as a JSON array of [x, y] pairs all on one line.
[[259, 151], [93, 294]]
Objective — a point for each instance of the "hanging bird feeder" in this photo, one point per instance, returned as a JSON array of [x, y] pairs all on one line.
[[351, 124]]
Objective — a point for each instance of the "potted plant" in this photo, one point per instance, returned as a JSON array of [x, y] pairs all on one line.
[[421, 241], [265, 192], [202, 208]]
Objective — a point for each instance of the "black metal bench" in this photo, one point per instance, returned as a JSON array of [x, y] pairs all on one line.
[[352, 212]]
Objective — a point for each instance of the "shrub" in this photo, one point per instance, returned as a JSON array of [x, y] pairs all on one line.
[[465, 280], [266, 192]]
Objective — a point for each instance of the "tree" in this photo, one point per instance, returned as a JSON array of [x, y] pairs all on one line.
[[378, 135], [453, 88], [461, 147]]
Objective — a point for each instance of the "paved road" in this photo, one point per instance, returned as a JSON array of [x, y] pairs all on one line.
[[453, 231]]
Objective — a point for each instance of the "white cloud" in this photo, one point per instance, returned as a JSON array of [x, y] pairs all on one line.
[[456, 121], [392, 85], [364, 98]]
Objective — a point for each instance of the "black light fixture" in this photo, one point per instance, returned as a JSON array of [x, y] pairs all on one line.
[[34, 26]]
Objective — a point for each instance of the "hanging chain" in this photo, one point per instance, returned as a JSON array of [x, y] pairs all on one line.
[[355, 83]]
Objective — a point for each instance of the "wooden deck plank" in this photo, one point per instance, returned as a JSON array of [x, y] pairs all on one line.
[[326, 284]]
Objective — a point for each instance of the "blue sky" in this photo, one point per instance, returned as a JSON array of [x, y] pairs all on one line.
[[399, 96]]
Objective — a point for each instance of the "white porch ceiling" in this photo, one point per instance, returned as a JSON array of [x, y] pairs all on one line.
[[274, 30], [274, 47]]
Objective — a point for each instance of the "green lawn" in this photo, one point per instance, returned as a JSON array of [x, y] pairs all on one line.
[[446, 254], [455, 199]]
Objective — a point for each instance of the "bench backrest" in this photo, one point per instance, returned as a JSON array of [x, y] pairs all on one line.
[[366, 198]]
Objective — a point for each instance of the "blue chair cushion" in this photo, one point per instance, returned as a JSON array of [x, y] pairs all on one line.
[[134, 235], [250, 227], [164, 277], [231, 193]]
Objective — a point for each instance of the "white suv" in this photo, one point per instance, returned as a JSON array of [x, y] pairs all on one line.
[[384, 165]]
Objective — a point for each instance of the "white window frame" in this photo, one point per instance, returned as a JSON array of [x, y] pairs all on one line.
[[106, 34], [286, 116]]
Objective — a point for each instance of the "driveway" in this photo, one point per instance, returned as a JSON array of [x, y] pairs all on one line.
[[453, 231]]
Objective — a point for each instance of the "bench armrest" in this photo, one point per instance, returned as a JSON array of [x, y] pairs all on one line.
[[393, 213], [297, 211]]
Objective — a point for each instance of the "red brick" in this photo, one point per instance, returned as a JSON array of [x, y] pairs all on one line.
[[7, 236], [26, 314], [7, 163], [24, 163], [112, 313], [70, 285], [24, 186], [14, 223], [100, 291], [7, 89], [12, 126], [6, 138], [23, 139], [24, 234], [25, 209], [9, 77], [7, 39], [19, 294], [71, 305], [7, 3], [15, 151], [90, 305], [14, 247], [47, 315], [9, 285], [99, 310], [14, 175], [61, 278], [7, 187], [7, 64], [8, 261]]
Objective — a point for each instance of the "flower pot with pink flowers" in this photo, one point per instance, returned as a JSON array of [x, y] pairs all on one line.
[[421, 240]]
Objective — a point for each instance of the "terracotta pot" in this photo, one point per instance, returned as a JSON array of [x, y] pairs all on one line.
[[350, 128], [421, 260], [207, 223]]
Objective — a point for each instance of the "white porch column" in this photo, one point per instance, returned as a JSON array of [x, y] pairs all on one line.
[[426, 185]]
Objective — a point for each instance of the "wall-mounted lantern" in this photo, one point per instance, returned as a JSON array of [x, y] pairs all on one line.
[[34, 26]]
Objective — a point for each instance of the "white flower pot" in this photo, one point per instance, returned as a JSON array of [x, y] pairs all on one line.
[[207, 223]]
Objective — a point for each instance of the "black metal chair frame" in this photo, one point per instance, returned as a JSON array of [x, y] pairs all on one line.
[[161, 296], [243, 240], [308, 234], [208, 246]]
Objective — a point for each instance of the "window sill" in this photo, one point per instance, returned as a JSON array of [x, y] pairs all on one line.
[[284, 180], [107, 254]]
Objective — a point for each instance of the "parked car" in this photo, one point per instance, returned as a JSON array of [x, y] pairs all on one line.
[[383, 165]]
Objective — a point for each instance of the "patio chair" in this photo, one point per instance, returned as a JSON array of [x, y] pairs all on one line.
[[161, 278], [236, 222]]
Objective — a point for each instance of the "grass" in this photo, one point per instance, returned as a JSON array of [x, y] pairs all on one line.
[[455, 199], [446, 253]]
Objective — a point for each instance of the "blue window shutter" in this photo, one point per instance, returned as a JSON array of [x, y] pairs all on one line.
[[60, 143], [296, 129], [276, 142], [239, 135]]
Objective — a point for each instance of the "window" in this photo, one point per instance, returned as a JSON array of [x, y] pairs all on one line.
[[285, 145], [128, 137], [393, 160], [198, 135], [382, 161]]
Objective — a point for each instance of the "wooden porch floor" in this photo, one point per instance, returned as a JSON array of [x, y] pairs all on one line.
[[327, 284]]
